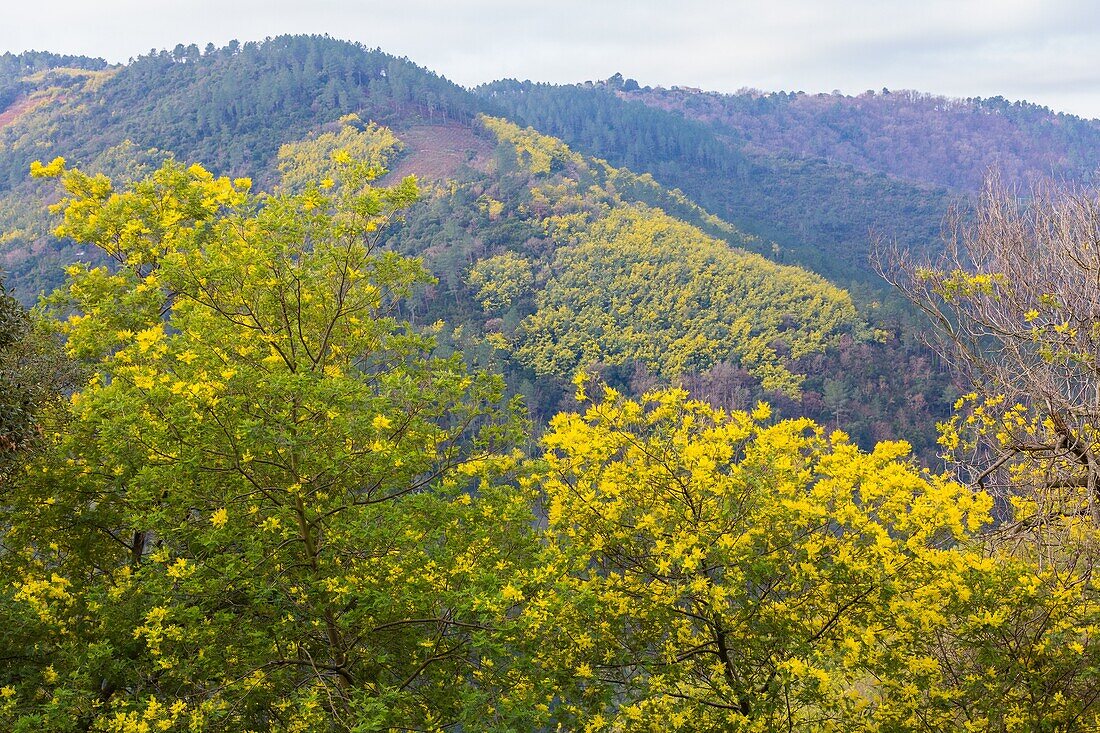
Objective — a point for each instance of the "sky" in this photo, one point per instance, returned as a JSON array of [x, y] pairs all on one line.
[[1045, 52]]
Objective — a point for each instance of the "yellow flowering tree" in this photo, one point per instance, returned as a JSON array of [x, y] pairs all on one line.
[[269, 508], [718, 571], [1013, 305]]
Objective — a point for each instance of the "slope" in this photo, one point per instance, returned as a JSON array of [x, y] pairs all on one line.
[[913, 136], [231, 108], [822, 215], [560, 260], [573, 264]]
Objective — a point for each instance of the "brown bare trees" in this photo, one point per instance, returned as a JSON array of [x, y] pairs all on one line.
[[1015, 301]]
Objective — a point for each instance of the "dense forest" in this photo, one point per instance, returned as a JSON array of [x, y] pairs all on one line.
[[916, 137], [124, 121], [821, 215], [357, 401]]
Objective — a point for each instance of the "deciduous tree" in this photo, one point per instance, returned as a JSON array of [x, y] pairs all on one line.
[[1014, 302], [265, 510]]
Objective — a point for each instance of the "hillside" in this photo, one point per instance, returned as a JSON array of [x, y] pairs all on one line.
[[913, 136], [557, 260], [230, 108], [575, 263], [739, 325], [822, 215], [821, 175]]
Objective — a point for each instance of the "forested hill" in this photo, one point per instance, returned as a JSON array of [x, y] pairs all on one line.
[[906, 134], [819, 174], [17, 71], [490, 216], [821, 214], [231, 108]]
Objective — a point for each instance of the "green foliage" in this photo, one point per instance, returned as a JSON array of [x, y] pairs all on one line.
[[34, 374], [905, 134], [232, 107], [501, 280], [276, 503], [630, 284], [820, 213], [237, 106], [272, 505], [264, 506], [639, 286], [15, 68], [322, 157]]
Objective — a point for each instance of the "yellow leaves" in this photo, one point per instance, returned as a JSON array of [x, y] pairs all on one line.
[[45, 596], [796, 667], [689, 511], [629, 288], [149, 337], [501, 280], [180, 569], [535, 151], [144, 379], [51, 170], [511, 594], [220, 518], [958, 284], [761, 412], [381, 422], [198, 172], [273, 358], [155, 716], [580, 378], [991, 619]]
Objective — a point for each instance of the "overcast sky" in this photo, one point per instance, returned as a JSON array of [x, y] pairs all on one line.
[[1046, 52]]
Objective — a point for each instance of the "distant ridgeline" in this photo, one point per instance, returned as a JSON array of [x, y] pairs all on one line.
[[20, 74], [908, 135], [232, 106], [822, 215], [818, 174]]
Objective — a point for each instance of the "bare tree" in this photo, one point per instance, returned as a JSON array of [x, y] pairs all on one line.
[[1015, 301]]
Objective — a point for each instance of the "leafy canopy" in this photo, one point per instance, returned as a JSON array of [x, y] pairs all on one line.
[[260, 513]]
